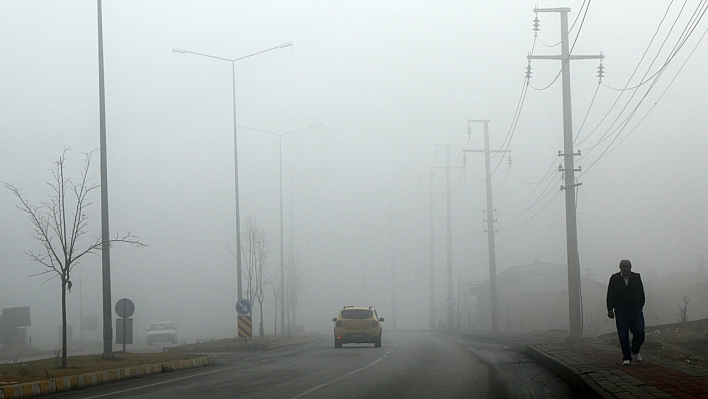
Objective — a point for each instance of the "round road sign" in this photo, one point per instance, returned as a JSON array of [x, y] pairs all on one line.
[[243, 307], [125, 308]]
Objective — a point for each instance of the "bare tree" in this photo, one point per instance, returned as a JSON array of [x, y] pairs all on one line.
[[683, 310], [255, 253], [249, 238], [293, 289], [61, 225], [276, 294], [260, 297]]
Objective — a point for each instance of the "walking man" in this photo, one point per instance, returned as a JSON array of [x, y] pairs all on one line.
[[625, 300]]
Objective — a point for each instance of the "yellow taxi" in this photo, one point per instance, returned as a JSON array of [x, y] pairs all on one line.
[[357, 325]]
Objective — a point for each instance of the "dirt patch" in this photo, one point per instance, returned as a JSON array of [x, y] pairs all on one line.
[[19, 371]]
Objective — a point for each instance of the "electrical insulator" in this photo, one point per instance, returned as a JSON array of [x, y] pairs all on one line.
[[528, 70], [509, 161], [600, 72], [536, 24]]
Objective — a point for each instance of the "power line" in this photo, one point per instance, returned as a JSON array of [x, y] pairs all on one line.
[[544, 193], [534, 215], [587, 113], [622, 124], [616, 132]]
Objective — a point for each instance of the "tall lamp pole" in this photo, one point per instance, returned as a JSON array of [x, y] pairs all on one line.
[[105, 249], [292, 299], [238, 216], [282, 267]]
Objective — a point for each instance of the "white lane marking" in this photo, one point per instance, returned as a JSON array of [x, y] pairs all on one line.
[[344, 376], [198, 375], [175, 379]]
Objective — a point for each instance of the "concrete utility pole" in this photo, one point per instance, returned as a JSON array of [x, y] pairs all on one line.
[[448, 201], [393, 272], [432, 254], [490, 223], [574, 299], [448, 196]]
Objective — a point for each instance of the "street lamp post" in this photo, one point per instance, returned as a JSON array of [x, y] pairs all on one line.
[[105, 249], [292, 307], [238, 217], [282, 267]]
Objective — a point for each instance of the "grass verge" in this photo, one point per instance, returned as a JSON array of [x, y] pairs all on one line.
[[238, 344]]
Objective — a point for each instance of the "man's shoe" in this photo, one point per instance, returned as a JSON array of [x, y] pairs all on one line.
[[626, 363], [637, 357]]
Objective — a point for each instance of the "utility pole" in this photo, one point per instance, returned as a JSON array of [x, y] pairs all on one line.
[[393, 272], [81, 308], [494, 304], [448, 196], [432, 254], [574, 299]]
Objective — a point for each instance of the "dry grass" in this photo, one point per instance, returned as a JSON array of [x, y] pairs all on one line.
[[19, 372], [238, 344], [686, 343]]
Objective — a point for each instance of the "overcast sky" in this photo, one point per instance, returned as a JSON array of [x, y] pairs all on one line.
[[390, 83]]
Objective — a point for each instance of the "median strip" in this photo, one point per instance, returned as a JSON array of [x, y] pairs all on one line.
[[79, 381]]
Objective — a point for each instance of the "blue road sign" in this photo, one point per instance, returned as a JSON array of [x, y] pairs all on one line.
[[243, 307]]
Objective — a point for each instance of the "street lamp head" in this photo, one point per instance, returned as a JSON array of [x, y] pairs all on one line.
[[179, 50], [286, 44]]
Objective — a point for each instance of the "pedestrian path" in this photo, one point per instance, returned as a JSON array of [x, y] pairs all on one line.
[[596, 370]]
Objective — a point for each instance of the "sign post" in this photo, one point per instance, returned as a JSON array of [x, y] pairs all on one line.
[[245, 325], [125, 309]]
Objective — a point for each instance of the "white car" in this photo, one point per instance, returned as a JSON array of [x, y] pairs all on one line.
[[162, 331]]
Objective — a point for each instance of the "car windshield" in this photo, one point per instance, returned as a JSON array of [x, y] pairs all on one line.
[[357, 314], [162, 326]]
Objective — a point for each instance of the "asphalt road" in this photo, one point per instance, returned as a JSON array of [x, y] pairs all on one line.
[[408, 365]]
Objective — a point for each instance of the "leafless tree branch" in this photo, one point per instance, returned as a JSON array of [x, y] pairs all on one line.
[[60, 225]]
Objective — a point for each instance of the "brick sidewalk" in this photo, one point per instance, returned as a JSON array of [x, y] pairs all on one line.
[[596, 370]]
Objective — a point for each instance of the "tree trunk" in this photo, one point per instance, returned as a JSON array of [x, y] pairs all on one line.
[[276, 317], [63, 324], [294, 318], [261, 333]]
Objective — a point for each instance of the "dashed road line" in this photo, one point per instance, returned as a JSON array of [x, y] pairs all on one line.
[[199, 374], [345, 375]]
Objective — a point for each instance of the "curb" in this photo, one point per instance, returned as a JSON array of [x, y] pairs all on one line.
[[80, 381], [580, 383]]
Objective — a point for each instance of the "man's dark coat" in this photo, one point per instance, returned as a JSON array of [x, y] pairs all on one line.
[[630, 296]]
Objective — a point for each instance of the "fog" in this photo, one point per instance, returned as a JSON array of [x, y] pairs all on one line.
[[389, 83]]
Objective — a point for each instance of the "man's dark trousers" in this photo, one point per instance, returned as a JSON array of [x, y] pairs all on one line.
[[630, 320]]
